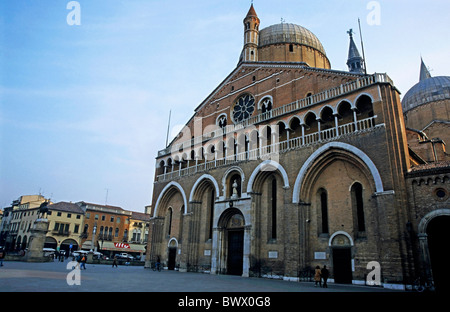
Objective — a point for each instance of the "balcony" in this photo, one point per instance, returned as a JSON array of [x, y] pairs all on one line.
[[61, 233], [269, 150]]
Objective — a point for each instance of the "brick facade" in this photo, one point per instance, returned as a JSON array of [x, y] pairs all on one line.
[[316, 172]]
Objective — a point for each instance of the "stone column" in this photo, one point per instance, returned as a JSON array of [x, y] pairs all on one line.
[[246, 253], [37, 240]]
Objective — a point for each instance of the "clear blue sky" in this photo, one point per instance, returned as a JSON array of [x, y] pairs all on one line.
[[84, 108]]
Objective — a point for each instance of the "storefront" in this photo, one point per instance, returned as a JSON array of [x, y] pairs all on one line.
[[110, 249]]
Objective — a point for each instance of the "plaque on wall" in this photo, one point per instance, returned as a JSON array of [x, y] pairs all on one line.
[[273, 254], [320, 255]]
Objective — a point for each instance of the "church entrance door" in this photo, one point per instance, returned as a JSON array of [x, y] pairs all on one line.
[[342, 265], [438, 237], [235, 252], [172, 257]]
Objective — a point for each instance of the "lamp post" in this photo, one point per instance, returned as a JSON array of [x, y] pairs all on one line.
[[94, 231]]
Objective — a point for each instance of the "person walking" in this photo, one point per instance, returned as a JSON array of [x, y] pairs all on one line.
[[317, 277], [83, 262], [325, 274], [114, 261]]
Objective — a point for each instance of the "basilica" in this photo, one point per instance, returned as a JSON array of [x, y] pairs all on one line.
[[288, 164]]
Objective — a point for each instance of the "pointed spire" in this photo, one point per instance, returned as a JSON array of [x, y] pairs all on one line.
[[252, 11], [424, 73], [354, 61]]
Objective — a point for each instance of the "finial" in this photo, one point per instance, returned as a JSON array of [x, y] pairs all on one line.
[[282, 20], [350, 32]]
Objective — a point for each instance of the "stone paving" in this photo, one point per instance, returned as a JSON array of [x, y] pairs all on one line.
[[60, 277]]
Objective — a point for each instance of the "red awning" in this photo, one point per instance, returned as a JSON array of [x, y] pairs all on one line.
[[124, 247]]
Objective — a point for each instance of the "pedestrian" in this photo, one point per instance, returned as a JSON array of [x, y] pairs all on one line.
[[317, 277], [2, 255], [325, 274], [115, 261], [83, 262]]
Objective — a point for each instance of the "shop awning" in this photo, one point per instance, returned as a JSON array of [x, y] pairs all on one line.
[[123, 247]]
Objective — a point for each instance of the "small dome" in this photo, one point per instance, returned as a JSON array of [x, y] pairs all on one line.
[[289, 33], [426, 91]]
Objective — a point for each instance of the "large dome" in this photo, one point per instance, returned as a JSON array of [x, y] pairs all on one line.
[[428, 90], [289, 33]]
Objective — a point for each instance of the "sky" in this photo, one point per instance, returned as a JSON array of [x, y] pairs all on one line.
[[86, 86]]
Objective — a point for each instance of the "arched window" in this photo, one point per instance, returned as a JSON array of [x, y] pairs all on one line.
[[266, 105], [323, 206], [222, 121], [170, 215], [358, 206], [211, 213], [364, 107], [273, 208], [116, 232]]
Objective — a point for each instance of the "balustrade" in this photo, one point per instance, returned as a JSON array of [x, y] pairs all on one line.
[[266, 151]]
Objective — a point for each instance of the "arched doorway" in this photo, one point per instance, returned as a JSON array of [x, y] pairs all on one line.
[[235, 251], [50, 242], [341, 243], [438, 248], [172, 254], [232, 226], [67, 244]]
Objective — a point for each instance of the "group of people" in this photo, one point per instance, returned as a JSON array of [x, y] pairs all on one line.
[[320, 274]]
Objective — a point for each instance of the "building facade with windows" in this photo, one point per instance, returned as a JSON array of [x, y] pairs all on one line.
[[64, 227], [286, 165], [103, 223], [75, 226], [18, 221]]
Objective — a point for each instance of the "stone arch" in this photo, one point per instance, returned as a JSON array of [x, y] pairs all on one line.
[[267, 166], [336, 234], [167, 190], [199, 185], [173, 242], [422, 228], [432, 235], [225, 217], [359, 157]]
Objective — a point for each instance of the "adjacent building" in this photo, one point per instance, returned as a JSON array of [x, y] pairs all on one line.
[[75, 226], [17, 221], [65, 225]]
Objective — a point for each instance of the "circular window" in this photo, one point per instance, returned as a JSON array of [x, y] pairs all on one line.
[[440, 193], [243, 108]]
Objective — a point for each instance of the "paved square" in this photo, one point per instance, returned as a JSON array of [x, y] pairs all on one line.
[[52, 276]]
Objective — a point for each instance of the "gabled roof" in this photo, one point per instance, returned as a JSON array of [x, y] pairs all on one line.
[[65, 206], [262, 65]]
